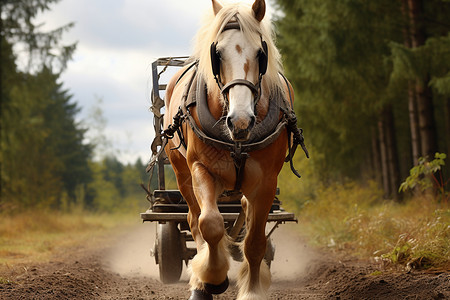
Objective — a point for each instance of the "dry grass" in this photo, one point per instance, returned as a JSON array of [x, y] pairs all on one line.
[[34, 236], [354, 218]]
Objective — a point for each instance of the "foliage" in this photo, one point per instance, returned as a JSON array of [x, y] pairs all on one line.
[[116, 187], [423, 246], [46, 155], [295, 192], [347, 61], [338, 72], [41, 49], [432, 58], [43, 153], [43, 157], [427, 175], [352, 218]]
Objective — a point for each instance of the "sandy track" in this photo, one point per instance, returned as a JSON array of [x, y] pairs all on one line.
[[120, 267]]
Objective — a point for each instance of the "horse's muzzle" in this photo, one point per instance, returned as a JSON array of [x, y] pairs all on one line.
[[240, 127]]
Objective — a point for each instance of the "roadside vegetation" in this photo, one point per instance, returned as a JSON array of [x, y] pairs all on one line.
[[35, 236], [354, 218]]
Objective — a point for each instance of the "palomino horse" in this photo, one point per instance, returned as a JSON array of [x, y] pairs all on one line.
[[236, 74]]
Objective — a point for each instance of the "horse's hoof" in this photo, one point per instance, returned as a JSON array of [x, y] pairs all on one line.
[[200, 295], [217, 289]]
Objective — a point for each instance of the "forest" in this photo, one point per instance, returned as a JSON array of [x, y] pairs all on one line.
[[46, 159], [371, 80]]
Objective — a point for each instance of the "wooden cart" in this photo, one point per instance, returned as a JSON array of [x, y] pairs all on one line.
[[169, 210]]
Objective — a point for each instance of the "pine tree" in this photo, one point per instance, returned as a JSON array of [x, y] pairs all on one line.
[[43, 156], [354, 75]]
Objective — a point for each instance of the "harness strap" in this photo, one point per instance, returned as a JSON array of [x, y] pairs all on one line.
[[173, 128], [295, 131], [229, 146], [195, 63], [239, 159], [247, 83]]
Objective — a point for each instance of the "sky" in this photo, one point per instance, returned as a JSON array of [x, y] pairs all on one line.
[[117, 42]]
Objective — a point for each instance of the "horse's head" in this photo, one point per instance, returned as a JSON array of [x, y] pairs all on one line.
[[239, 58]]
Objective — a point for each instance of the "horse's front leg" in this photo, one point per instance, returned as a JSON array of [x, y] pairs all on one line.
[[254, 277], [210, 265]]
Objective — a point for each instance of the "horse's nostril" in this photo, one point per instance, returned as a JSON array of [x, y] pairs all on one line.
[[252, 122], [230, 123]]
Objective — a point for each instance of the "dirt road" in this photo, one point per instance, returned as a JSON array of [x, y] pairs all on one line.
[[119, 267]]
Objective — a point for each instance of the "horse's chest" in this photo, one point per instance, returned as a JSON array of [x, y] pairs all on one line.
[[218, 162]]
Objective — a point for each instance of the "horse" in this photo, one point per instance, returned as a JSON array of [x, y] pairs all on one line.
[[237, 69]]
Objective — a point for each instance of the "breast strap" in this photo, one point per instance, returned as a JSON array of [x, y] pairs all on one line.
[[217, 129]]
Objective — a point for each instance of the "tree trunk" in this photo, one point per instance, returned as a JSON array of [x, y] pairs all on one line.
[[416, 22], [376, 156], [392, 153], [389, 154], [427, 127], [412, 99], [384, 158], [447, 124], [414, 124]]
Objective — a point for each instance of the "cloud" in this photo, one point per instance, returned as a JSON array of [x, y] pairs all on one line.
[[117, 42], [127, 24], [121, 80]]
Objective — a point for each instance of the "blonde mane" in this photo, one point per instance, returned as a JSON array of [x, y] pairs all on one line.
[[252, 30]]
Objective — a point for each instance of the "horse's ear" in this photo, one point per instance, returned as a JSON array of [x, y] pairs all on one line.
[[216, 6], [259, 8]]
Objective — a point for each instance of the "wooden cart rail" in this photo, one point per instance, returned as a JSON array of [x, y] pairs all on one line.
[[276, 216]]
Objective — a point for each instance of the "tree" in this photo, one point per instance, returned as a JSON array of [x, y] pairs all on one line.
[[43, 155], [335, 58], [40, 49], [351, 68], [96, 122], [423, 60], [66, 140], [116, 186], [102, 194]]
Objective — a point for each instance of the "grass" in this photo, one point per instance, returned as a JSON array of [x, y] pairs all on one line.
[[351, 218], [354, 218], [34, 236]]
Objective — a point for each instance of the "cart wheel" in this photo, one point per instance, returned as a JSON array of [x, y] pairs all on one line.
[[168, 252], [270, 252]]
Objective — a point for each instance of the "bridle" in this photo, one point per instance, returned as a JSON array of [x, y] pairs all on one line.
[[215, 63]]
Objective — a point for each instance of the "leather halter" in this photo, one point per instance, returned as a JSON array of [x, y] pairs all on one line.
[[215, 62]]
